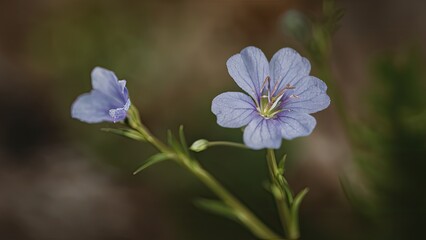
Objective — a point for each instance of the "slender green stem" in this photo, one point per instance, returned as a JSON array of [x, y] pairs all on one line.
[[257, 227], [225, 143], [288, 221], [244, 215]]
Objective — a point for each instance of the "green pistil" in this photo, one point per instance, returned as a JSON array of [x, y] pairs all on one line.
[[266, 109]]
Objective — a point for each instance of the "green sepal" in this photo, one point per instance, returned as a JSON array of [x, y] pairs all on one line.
[[216, 207], [159, 157], [125, 132], [133, 117]]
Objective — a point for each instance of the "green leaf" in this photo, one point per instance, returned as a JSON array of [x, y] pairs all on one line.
[[276, 191], [297, 201], [153, 160], [183, 140], [216, 207], [281, 164], [289, 194], [125, 132], [173, 142]]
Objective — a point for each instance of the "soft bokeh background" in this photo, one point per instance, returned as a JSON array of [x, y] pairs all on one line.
[[62, 179]]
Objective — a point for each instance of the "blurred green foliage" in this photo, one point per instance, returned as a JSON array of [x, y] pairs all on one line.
[[390, 148], [389, 142]]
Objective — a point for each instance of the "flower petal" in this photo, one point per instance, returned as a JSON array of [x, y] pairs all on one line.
[[92, 107], [123, 88], [262, 133], [249, 70], [287, 67], [310, 96], [295, 124], [233, 109], [107, 83]]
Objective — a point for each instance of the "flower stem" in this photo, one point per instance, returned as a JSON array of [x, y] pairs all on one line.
[[258, 228], [226, 143], [244, 215], [283, 199]]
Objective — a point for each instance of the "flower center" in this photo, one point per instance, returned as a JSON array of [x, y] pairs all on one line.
[[270, 100]]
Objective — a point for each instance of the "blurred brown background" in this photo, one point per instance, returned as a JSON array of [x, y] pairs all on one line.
[[62, 179]]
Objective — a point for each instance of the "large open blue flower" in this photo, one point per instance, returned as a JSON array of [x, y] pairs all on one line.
[[281, 97], [108, 101]]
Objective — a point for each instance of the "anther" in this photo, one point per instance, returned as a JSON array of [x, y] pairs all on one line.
[[288, 86]]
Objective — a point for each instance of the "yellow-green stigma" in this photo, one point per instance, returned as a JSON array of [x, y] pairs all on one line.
[[266, 109]]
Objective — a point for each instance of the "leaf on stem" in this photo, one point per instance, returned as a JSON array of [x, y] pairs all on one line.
[[297, 201], [281, 164], [183, 140], [159, 157], [173, 142], [125, 132], [288, 193], [216, 207]]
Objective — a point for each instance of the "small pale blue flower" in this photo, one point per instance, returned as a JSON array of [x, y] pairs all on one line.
[[281, 97], [107, 102]]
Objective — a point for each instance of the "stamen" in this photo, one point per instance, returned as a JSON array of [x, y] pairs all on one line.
[[288, 86], [275, 88], [269, 89], [264, 83], [269, 102]]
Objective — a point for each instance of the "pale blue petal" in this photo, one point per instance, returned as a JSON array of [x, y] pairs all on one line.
[[92, 107], [107, 83], [309, 96], [124, 91], [288, 67], [249, 70], [295, 124], [233, 109], [119, 114], [262, 133]]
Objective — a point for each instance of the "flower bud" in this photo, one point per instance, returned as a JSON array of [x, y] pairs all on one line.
[[199, 145]]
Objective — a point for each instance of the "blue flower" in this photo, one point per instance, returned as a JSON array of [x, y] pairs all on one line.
[[281, 97], [108, 101]]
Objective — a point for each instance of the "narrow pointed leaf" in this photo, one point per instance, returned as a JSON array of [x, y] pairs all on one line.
[[153, 160], [216, 207], [173, 142], [125, 132], [281, 164], [289, 194], [183, 140], [297, 201]]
